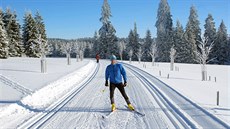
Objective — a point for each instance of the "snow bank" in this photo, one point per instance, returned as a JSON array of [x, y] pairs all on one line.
[[15, 114], [47, 95]]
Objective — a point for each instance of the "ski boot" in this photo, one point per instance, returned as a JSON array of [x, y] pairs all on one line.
[[113, 108], [131, 107]]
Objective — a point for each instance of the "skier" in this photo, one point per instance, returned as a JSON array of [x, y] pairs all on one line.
[[114, 72], [97, 57]]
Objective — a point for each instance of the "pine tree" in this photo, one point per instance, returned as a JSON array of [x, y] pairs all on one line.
[[182, 47], [13, 33], [40, 25], [193, 34], [210, 33], [30, 36], [136, 44], [3, 39], [164, 27], [96, 45], [87, 51], [146, 47], [108, 39], [130, 41], [221, 46]]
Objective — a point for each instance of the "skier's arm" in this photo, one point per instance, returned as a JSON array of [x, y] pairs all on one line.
[[123, 74], [107, 74]]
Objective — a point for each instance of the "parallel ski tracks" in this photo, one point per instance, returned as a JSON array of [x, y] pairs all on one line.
[[182, 116], [41, 118]]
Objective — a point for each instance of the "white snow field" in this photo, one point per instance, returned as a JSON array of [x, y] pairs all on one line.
[[187, 81], [84, 105], [12, 115], [22, 76]]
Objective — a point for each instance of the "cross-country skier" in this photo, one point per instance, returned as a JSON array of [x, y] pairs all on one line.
[[114, 72], [97, 57]]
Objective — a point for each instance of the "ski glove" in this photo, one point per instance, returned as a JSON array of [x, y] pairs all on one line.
[[106, 83], [125, 84]]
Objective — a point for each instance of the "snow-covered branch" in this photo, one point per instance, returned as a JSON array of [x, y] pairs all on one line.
[[203, 56], [130, 55], [153, 52], [139, 54], [121, 47]]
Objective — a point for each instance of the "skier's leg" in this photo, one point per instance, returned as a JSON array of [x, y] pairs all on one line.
[[112, 88], [122, 90]]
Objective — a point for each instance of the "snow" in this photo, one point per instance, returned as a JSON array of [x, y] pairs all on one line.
[[14, 114], [86, 108], [25, 73], [188, 82]]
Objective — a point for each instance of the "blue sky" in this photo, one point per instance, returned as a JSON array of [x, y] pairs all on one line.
[[73, 19]]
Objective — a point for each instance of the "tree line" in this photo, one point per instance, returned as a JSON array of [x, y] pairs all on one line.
[[182, 41], [185, 41], [32, 42]]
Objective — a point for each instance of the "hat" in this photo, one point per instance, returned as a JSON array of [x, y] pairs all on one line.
[[113, 57]]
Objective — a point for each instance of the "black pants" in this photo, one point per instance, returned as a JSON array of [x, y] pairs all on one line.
[[97, 61], [121, 88]]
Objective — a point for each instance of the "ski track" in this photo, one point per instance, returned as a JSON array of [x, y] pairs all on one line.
[[85, 110], [199, 115]]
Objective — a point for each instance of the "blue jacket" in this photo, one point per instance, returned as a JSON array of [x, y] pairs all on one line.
[[114, 72]]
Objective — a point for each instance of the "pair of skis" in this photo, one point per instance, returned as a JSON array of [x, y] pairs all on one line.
[[134, 111]]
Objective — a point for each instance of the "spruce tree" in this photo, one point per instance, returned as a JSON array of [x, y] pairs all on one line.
[[108, 39], [136, 44], [193, 34], [30, 37], [13, 33], [42, 32], [164, 27], [3, 39], [96, 45], [221, 46], [182, 47], [146, 47], [210, 34]]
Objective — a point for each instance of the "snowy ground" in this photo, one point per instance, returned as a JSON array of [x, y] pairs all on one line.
[[188, 82], [76, 100], [25, 73], [14, 114]]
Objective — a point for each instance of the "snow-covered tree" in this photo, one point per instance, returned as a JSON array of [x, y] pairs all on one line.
[[146, 46], [130, 55], [133, 40], [129, 45], [183, 48], [210, 33], [3, 39], [108, 39], [96, 44], [164, 27], [67, 48], [139, 54], [87, 51], [220, 47], [30, 36], [13, 33], [193, 34], [153, 52], [172, 58], [40, 25], [76, 48], [121, 47], [203, 56]]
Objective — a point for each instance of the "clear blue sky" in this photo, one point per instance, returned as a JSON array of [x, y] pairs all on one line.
[[80, 18]]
